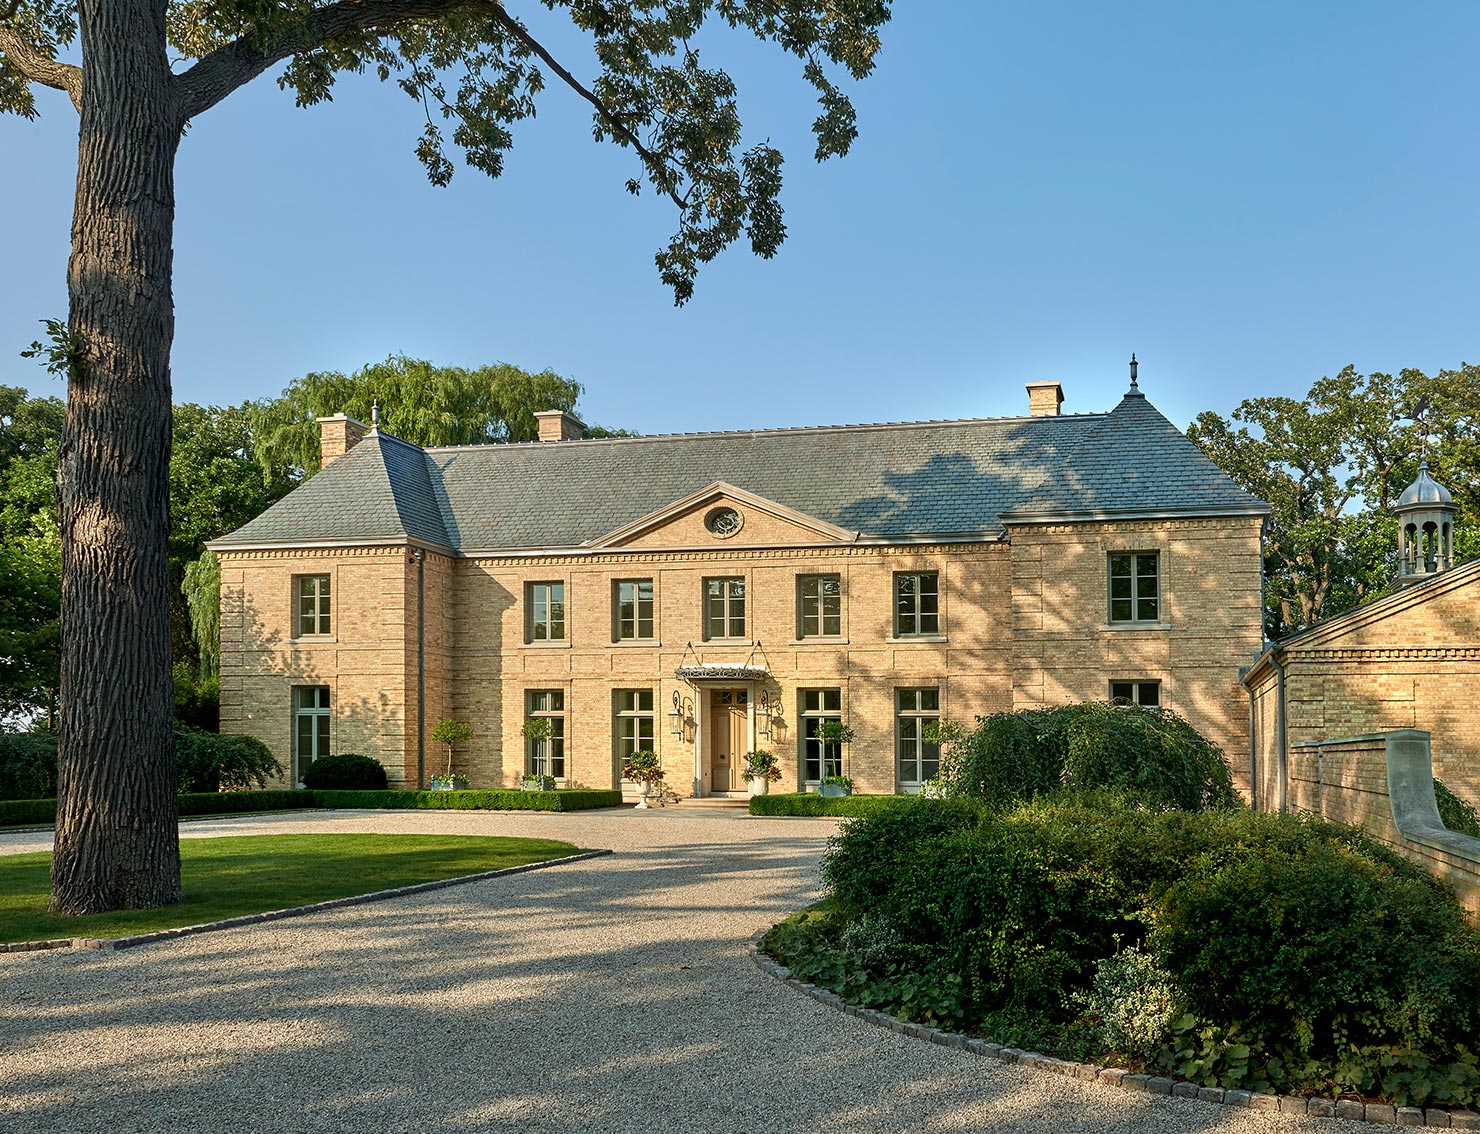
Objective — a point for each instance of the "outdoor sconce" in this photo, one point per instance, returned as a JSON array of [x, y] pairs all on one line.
[[678, 716]]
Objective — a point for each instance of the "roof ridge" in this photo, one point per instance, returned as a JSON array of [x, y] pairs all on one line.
[[771, 431]]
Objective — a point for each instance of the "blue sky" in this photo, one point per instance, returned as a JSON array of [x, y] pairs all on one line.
[[1247, 196]]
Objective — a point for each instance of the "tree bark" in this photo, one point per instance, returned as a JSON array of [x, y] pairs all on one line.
[[117, 844]]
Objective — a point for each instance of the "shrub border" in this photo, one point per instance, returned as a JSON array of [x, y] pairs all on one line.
[[113, 944], [1378, 1113]]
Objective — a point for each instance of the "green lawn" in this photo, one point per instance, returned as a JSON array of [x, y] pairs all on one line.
[[245, 874]]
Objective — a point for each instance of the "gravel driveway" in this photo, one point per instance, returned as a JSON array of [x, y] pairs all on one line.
[[611, 995]]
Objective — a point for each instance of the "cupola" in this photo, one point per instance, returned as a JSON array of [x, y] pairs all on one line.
[[1425, 513]]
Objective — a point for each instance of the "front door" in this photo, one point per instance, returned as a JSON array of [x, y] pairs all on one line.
[[727, 731]]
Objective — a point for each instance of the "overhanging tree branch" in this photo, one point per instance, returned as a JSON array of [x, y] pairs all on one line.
[[518, 31], [222, 71], [40, 69]]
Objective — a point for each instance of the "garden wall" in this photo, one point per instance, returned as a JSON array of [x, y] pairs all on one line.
[[1384, 782]]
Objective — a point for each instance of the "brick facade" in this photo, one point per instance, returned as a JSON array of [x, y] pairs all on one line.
[[1023, 622], [1410, 660]]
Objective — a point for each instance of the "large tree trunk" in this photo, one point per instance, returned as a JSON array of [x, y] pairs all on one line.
[[117, 844]]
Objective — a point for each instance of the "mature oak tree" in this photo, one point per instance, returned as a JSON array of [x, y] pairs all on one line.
[[473, 64]]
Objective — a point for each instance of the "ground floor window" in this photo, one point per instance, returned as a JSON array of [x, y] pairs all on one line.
[[310, 726], [634, 731], [918, 759], [818, 757], [1146, 693], [544, 753]]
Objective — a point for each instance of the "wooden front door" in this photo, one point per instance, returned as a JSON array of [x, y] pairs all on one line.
[[727, 732]]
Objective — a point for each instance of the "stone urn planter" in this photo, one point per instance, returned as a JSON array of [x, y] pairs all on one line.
[[761, 771], [538, 783], [833, 787], [759, 787]]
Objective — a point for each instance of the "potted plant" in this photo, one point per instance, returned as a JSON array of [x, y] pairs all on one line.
[[537, 730], [537, 783], [449, 732], [761, 771], [835, 786], [642, 768], [835, 734]]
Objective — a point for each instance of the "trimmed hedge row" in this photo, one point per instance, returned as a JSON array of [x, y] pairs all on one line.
[[229, 802], [25, 812], [19, 812], [566, 799], [817, 806]]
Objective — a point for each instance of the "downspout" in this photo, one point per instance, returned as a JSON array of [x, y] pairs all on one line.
[[420, 556]]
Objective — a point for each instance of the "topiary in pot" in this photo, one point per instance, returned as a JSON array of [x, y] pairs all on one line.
[[643, 769], [345, 772]]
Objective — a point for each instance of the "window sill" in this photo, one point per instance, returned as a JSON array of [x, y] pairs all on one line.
[[1147, 626], [728, 642], [819, 640], [636, 644], [924, 639], [546, 646], [314, 640]]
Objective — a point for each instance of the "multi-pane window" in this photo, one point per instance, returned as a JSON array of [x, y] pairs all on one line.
[[634, 731], [819, 606], [545, 755], [311, 593], [819, 758], [1136, 692], [547, 612], [724, 608], [634, 609], [310, 726], [1135, 590], [919, 759], [916, 604]]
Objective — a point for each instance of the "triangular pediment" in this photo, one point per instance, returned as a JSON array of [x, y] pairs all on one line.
[[703, 519]]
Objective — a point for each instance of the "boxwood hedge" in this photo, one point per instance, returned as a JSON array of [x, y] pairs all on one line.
[[812, 804], [566, 799], [1298, 956]]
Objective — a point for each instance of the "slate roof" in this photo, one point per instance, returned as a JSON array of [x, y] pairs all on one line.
[[942, 479]]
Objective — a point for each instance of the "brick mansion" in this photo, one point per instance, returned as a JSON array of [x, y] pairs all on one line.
[[709, 595]]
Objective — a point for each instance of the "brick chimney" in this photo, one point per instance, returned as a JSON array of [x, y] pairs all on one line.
[[1044, 399], [337, 436], [557, 425]]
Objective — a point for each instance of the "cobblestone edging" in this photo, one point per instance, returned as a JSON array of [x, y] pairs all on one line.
[[1117, 1077], [114, 943]]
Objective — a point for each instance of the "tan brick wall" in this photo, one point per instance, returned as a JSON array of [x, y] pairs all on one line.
[[1412, 661], [368, 661], [1021, 624], [1065, 649]]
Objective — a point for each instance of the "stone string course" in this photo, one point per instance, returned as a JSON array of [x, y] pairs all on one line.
[[1378, 1113], [114, 943]]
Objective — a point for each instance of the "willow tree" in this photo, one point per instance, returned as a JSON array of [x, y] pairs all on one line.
[[144, 69]]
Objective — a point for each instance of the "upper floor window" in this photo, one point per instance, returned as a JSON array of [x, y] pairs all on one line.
[[724, 608], [1135, 587], [311, 593], [634, 608], [916, 604], [1146, 693], [546, 612], [819, 606], [310, 726]]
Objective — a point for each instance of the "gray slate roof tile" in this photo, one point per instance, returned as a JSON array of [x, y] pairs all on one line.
[[929, 479]]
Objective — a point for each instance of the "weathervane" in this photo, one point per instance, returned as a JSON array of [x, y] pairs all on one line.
[[1415, 415], [1133, 372]]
